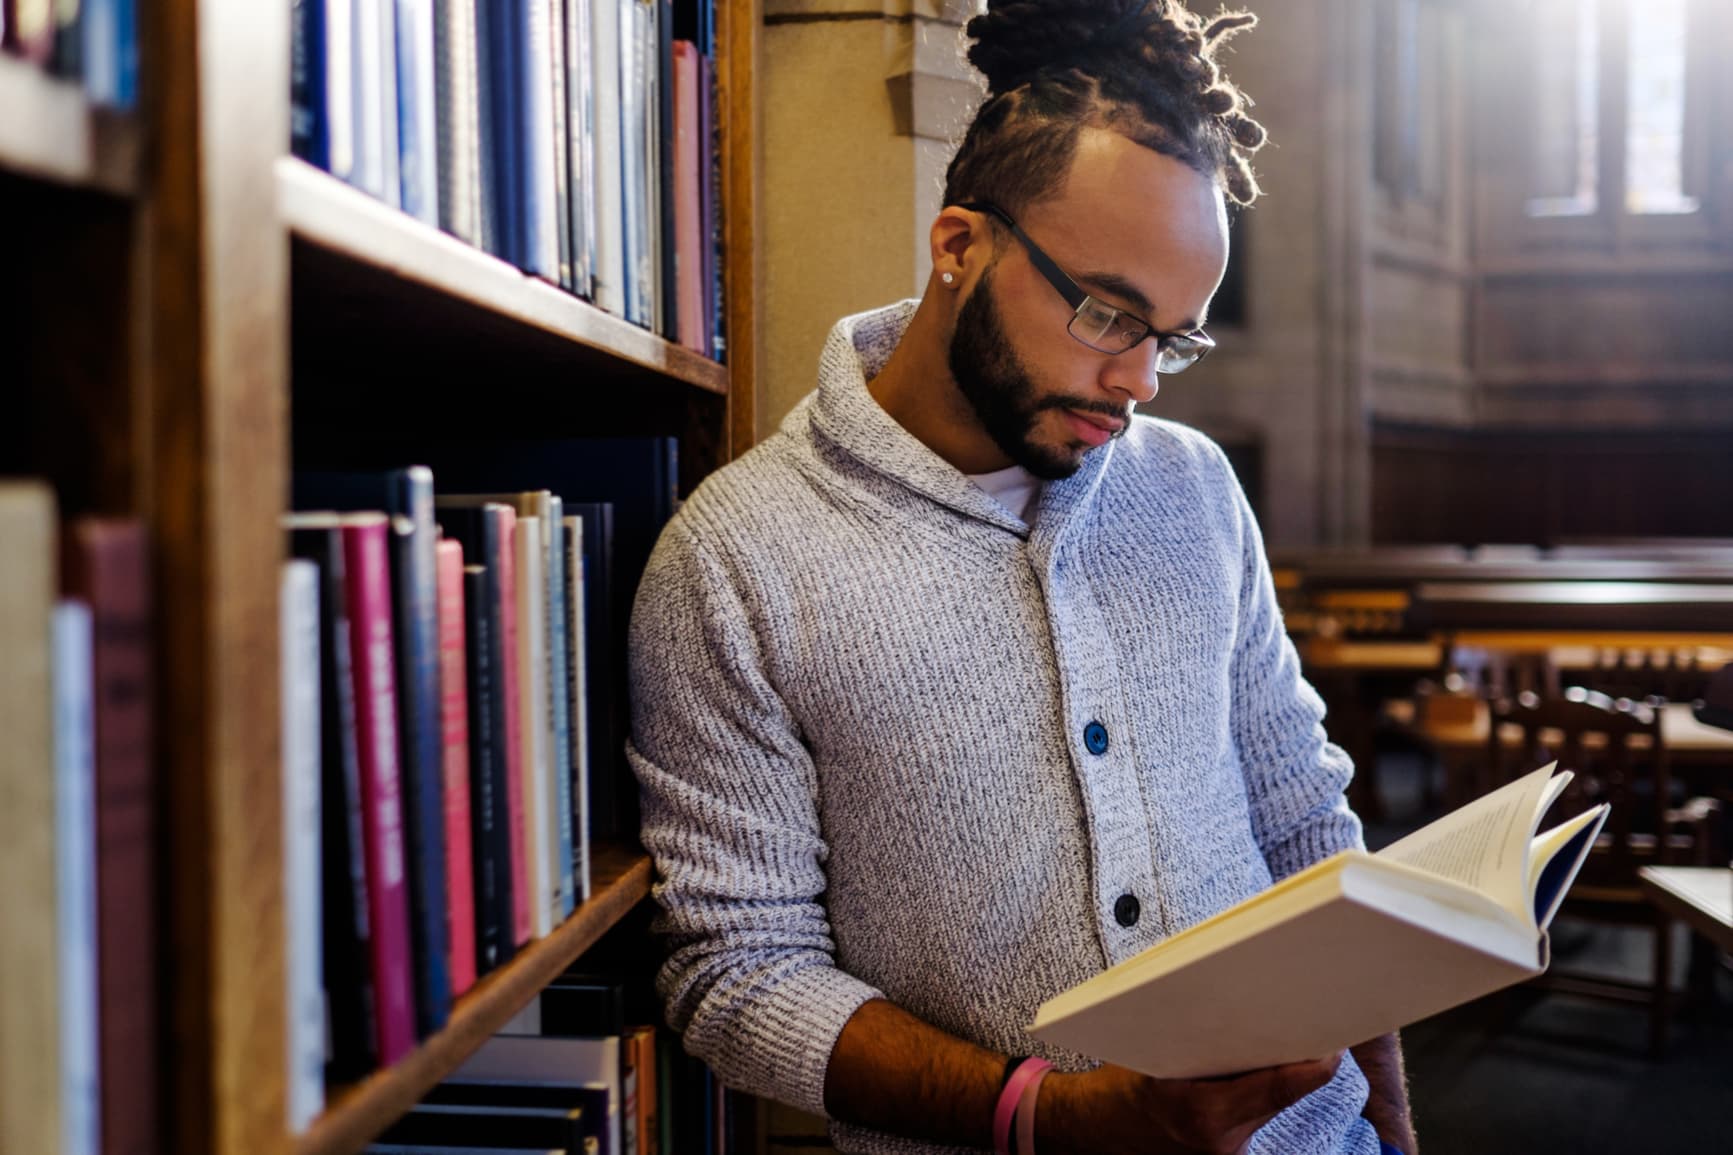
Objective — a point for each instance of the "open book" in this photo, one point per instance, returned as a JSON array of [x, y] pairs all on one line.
[[1351, 948]]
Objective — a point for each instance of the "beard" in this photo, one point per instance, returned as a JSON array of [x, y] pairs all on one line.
[[1001, 391]]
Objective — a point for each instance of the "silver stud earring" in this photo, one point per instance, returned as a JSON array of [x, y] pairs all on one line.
[[948, 278]]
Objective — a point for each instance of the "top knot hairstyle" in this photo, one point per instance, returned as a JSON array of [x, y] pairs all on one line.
[[1145, 69]]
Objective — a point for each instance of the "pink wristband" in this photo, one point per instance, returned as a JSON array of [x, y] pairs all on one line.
[[1006, 1111], [1026, 1113]]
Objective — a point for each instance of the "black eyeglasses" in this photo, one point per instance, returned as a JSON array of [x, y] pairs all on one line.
[[1097, 324]]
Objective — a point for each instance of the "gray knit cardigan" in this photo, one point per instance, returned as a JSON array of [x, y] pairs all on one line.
[[893, 741]]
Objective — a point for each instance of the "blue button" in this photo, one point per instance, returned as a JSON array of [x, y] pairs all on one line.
[[1095, 738]]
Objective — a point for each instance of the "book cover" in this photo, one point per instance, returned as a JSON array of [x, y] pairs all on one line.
[[418, 131], [1349, 949], [590, 1102], [75, 880], [30, 1062], [454, 720], [346, 966], [106, 564], [406, 497], [609, 158], [304, 993], [559, 1062], [366, 556], [514, 1126]]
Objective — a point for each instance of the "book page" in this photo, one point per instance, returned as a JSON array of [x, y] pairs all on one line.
[[1557, 855], [1484, 844]]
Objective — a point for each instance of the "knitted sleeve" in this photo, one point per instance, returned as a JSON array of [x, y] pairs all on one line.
[[1295, 776], [729, 815]]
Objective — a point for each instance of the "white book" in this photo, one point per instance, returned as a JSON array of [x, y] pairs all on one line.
[[391, 173], [304, 1005], [541, 194], [418, 128], [580, 711], [340, 86], [608, 168], [653, 66], [533, 720], [554, 1061], [1350, 949], [580, 85], [368, 45], [75, 876]]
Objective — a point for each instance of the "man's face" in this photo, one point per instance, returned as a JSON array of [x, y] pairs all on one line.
[[1136, 230]]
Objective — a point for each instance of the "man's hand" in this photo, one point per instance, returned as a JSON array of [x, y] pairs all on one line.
[[1111, 1110]]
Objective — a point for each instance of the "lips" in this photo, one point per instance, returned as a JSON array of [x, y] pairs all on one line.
[[1093, 431]]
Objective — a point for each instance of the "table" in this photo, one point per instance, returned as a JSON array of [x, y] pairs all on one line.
[[1699, 896]]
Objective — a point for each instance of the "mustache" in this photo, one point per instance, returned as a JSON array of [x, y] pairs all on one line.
[[1116, 412]]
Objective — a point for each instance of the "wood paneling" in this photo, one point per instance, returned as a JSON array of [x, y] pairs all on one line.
[[1439, 485]]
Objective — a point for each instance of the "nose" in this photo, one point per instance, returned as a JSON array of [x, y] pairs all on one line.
[[1132, 373]]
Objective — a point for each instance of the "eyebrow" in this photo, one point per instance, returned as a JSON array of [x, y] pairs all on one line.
[[1122, 288]]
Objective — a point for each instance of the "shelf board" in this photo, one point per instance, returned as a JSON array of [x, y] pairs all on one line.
[[49, 129], [323, 211], [356, 1115]]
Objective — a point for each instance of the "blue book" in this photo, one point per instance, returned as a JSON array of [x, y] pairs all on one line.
[[417, 131], [309, 128], [559, 654], [503, 97], [539, 208], [406, 495], [107, 32]]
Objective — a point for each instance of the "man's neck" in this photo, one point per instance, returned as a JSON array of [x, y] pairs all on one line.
[[916, 388]]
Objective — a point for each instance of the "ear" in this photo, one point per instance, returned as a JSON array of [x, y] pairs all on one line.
[[963, 246]]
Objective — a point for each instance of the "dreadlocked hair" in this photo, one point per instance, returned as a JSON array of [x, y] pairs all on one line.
[[1145, 69]]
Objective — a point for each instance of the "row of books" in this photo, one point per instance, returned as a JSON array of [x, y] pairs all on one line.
[[573, 138], [94, 42], [581, 1071], [453, 727], [78, 972]]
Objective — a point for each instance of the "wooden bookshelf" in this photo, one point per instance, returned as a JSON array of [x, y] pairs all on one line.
[[50, 130], [324, 212], [356, 1115]]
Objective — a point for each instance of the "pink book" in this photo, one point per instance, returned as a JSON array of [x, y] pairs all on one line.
[[691, 159], [368, 580], [514, 736], [454, 714]]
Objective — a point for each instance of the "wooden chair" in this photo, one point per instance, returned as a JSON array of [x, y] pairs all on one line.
[[1595, 736], [1674, 674]]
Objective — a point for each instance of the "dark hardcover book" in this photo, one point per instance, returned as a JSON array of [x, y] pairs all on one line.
[[406, 496], [591, 1102], [582, 1006], [709, 173], [106, 564], [490, 179], [69, 39], [716, 223], [502, 135], [478, 528], [668, 324], [604, 688], [309, 135], [490, 1125], [348, 977]]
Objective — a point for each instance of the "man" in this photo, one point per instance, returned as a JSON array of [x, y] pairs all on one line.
[[969, 683]]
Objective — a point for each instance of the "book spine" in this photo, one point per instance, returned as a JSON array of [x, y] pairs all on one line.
[[559, 713], [489, 177], [454, 718], [642, 1041], [489, 816], [709, 170], [339, 87], [579, 706], [369, 595], [390, 114], [562, 138], [715, 232], [516, 760], [369, 96], [68, 59], [662, 151], [417, 140], [689, 253], [609, 162], [30, 29], [533, 720], [308, 137], [634, 164], [107, 565], [75, 876], [536, 127], [581, 155], [455, 123], [304, 1005], [415, 618]]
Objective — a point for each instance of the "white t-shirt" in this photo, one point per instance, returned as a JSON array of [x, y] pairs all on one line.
[[1015, 488]]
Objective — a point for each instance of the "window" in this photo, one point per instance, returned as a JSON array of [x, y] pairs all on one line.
[[1410, 101], [1610, 71]]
